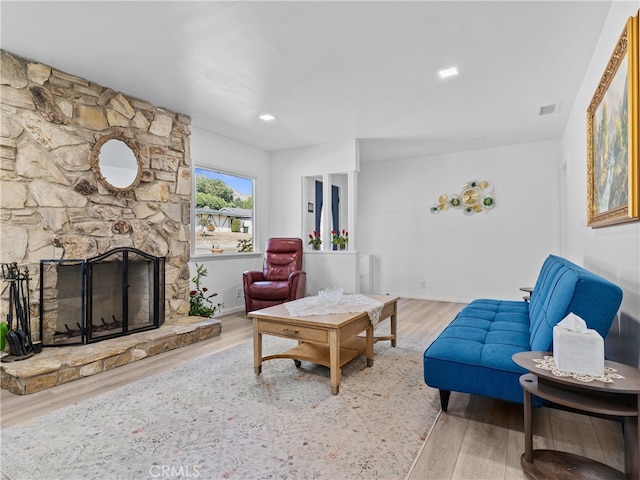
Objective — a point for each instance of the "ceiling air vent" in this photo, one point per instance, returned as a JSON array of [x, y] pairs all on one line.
[[548, 109]]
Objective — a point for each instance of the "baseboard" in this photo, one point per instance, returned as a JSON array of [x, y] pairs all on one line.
[[413, 296], [230, 310]]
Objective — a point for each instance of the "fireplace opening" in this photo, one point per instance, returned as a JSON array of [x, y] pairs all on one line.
[[114, 294]]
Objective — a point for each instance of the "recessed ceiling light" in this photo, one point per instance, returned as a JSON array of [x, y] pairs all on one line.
[[266, 117], [448, 72]]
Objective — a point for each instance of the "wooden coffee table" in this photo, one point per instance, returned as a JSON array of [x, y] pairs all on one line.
[[329, 340]]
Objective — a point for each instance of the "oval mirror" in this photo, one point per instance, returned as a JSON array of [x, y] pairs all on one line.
[[116, 164]]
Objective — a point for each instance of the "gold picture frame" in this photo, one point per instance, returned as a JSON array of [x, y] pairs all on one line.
[[612, 152]]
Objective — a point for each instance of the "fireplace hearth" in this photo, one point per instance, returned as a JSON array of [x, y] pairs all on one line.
[[111, 295]]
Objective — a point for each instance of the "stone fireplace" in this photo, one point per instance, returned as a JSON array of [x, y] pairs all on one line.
[[53, 204], [56, 209]]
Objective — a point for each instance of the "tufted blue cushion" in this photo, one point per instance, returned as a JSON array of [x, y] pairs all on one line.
[[564, 287], [473, 354]]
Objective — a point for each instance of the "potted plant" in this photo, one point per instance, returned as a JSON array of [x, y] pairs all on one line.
[[245, 245], [200, 301], [215, 248], [315, 240], [341, 239]]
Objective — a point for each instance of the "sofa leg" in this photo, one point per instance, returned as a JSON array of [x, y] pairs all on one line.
[[444, 399]]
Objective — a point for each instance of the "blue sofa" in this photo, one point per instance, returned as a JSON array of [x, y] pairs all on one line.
[[473, 353]]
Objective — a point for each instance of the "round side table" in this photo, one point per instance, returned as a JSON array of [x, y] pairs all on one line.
[[619, 399]]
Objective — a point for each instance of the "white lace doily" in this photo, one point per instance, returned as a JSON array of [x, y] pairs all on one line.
[[547, 363], [357, 303]]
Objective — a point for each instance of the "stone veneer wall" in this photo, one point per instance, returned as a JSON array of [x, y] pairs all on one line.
[[51, 204]]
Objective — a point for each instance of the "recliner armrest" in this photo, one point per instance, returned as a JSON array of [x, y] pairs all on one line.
[[297, 284], [252, 277]]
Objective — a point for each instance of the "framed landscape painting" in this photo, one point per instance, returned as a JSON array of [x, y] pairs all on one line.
[[612, 137]]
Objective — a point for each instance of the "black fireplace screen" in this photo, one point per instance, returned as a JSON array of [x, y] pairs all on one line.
[[107, 296]]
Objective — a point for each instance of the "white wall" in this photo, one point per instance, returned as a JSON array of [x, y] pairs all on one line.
[[335, 269], [613, 252], [279, 204], [325, 268], [540, 209], [289, 166], [216, 151], [451, 256]]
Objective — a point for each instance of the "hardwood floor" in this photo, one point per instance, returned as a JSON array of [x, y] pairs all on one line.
[[478, 438]]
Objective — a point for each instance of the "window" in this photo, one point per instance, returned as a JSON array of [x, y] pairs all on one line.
[[326, 200], [223, 212]]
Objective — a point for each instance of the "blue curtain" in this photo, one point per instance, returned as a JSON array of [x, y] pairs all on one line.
[[318, 205], [335, 208]]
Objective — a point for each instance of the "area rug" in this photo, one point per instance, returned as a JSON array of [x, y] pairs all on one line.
[[215, 419]]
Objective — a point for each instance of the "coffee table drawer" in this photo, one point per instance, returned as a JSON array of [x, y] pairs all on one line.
[[297, 332]]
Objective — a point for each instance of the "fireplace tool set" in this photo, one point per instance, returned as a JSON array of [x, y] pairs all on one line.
[[19, 339]]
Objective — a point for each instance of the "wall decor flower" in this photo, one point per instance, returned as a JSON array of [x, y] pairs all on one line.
[[475, 197]]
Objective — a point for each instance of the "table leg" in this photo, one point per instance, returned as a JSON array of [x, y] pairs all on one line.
[[632, 446], [369, 351], [257, 348], [334, 360], [528, 434], [394, 325]]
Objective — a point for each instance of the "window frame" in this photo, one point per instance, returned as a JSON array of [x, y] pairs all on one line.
[[346, 218], [194, 222]]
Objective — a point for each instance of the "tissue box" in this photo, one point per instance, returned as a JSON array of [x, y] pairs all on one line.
[[578, 351]]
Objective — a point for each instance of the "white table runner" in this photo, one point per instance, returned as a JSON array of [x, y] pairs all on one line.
[[357, 303]]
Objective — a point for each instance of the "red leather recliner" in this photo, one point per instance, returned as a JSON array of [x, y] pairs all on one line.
[[282, 278]]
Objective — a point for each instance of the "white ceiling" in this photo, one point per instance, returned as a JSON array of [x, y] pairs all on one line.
[[329, 71]]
